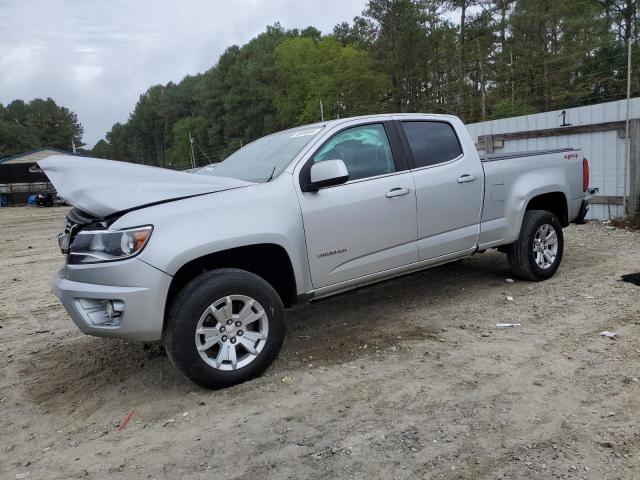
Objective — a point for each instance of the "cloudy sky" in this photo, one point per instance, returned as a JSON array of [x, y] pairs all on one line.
[[97, 56]]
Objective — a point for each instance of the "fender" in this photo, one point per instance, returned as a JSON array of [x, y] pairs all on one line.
[[194, 227]]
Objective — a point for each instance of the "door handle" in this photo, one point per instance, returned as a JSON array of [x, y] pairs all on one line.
[[397, 192], [467, 178]]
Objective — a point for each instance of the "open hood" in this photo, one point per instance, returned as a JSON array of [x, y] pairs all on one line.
[[103, 187]]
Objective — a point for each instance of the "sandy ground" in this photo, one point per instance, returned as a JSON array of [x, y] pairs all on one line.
[[407, 379]]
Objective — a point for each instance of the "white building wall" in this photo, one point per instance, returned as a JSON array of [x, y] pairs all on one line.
[[604, 150]]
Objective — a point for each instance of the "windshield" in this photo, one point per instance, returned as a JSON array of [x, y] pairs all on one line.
[[265, 158]]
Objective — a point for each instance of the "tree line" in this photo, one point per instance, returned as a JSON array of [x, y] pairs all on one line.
[[478, 59], [38, 123]]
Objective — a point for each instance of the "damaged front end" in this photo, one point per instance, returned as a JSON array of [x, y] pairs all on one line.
[[104, 188], [87, 239], [75, 221], [106, 290]]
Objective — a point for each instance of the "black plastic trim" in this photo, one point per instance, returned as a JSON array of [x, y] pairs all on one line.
[[304, 298], [584, 209], [397, 149], [314, 187]]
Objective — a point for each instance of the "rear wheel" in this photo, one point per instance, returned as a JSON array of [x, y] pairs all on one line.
[[537, 253], [226, 326]]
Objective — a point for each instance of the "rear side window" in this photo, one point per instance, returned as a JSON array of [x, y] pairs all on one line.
[[431, 142]]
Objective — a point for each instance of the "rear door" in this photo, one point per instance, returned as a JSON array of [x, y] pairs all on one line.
[[368, 224], [449, 187]]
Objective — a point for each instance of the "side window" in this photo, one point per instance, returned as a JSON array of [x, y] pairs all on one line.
[[431, 142], [365, 151]]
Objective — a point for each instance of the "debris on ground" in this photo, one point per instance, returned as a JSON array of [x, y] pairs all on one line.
[[609, 334], [509, 299], [286, 380], [473, 402], [632, 278], [38, 331], [125, 421], [508, 325], [509, 280], [171, 420]]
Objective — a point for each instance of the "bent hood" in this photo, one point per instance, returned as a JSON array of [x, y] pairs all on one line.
[[103, 187]]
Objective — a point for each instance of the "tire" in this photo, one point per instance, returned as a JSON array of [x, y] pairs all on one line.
[[203, 305], [525, 262]]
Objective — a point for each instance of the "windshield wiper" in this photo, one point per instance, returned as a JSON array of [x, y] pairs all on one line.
[[271, 176]]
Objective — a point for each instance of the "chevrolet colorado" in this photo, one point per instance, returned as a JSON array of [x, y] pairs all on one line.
[[207, 261]]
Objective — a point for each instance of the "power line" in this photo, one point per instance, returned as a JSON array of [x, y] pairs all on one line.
[[508, 78]]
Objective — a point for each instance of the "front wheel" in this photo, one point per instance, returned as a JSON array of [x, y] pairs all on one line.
[[537, 253], [224, 327]]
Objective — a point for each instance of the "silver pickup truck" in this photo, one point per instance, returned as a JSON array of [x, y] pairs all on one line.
[[207, 261]]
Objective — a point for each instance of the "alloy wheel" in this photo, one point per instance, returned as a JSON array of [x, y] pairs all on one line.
[[232, 332]]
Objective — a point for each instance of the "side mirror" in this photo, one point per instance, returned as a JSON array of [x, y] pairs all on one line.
[[326, 174]]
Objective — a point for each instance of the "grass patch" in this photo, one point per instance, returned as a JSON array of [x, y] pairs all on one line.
[[632, 223]]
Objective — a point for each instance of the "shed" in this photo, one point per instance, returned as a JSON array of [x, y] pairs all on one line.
[[21, 177]]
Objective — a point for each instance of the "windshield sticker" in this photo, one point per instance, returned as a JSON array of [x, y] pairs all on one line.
[[305, 133]]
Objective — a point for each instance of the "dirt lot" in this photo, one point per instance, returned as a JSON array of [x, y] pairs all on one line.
[[407, 379]]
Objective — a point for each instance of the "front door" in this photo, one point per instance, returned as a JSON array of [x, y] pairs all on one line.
[[368, 224]]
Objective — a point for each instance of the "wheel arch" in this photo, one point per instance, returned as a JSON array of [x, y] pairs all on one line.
[[554, 202], [267, 260]]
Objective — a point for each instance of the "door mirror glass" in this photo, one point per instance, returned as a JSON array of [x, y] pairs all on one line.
[[327, 173]]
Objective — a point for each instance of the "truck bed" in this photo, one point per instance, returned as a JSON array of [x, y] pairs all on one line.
[[509, 186]]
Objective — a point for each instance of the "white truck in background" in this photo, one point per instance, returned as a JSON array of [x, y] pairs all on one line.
[[207, 261]]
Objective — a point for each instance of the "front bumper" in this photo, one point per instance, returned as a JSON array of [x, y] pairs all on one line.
[[137, 289]]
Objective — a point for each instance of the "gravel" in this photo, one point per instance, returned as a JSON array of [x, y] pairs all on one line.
[[406, 379]]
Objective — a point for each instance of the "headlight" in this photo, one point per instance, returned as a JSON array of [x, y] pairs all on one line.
[[91, 246]]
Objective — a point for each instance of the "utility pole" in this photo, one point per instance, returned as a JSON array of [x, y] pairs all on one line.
[[193, 157], [483, 91], [461, 63], [321, 112], [627, 150], [513, 90]]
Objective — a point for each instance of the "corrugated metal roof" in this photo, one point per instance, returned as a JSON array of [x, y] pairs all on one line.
[[32, 156], [587, 115]]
